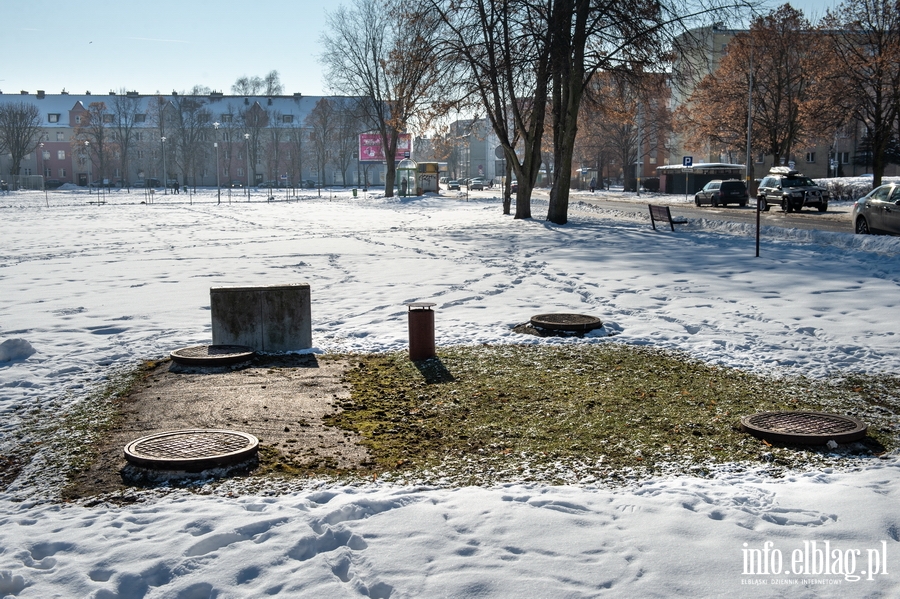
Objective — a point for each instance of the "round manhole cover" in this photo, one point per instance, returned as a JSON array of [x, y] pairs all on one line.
[[192, 449], [212, 355], [566, 322], [805, 428]]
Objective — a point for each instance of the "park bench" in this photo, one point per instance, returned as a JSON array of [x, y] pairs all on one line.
[[663, 215]]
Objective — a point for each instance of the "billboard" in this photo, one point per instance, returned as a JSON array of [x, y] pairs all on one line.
[[371, 150]]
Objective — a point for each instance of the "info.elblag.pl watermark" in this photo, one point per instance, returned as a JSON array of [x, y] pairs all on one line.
[[816, 563]]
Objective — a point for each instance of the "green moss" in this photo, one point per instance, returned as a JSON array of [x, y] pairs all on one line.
[[486, 413]]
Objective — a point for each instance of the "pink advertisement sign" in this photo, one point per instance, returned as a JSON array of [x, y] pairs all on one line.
[[371, 150]]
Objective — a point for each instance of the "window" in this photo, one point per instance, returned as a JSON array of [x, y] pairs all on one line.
[[226, 118], [138, 136], [53, 117], [78, 120], [140, 154], [60, 136], [240, 172], [810, 157], [760, 158], [47, 172], [61, 154], [28, 156], [287, 118], [843, 157], [45, 155], [107, 118], [140, 118], [62, 173]]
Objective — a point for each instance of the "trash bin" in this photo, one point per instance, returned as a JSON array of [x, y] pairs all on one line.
[[421, 331], [354, 192]]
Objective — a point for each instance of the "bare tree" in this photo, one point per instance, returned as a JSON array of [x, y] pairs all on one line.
[[190, 121], [349, 124], [864, 49], [270, 85], [20, 132], [95, 129], [322, 126], [125, 108], [384, 51], [505, 58]]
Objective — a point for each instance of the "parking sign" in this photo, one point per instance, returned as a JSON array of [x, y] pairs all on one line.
[[687, 161]]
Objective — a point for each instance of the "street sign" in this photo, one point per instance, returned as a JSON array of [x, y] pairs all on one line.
[[687, 161]]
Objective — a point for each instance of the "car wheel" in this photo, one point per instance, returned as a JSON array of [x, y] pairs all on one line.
[[763, 204], [862, 227], [786, 206], [697, 201], [743, 204], [823, 207]]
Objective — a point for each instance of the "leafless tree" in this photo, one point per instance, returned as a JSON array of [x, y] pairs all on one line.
[[384, 51], [190, 121], [20, 132], [270, 85], [125, 110], [95, 129]]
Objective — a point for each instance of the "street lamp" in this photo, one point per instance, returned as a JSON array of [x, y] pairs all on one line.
[[88, 153], [43, 176], [247, 150], [216, 146], [165, 175]]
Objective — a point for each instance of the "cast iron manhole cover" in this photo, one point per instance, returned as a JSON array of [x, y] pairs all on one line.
[[805, 428], [212, 355], [192, 449], [566, 322]]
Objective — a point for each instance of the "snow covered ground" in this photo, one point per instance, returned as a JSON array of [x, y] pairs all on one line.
[[86, 289]]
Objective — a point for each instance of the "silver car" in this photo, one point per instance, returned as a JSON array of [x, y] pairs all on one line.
[[878, 211]]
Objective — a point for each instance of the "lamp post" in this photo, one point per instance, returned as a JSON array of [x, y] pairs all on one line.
[[87, 151], [165, 175], [43, 176], [216, 146], [247, 151]]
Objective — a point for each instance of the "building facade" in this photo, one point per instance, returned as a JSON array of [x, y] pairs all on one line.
[[215, 139]]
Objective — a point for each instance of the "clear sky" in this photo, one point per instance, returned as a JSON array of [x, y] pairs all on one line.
[[171, 45]]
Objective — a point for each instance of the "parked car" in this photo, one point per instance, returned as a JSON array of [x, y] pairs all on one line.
[[309, 183], [52, 184], [151, 182], [476, 184], [514, 187], [722, 193], [237, 183], [792, 191], [453, 184], [878, 211], [100, 183]]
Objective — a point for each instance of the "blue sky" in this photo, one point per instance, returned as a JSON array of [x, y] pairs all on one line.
[[168, 45]]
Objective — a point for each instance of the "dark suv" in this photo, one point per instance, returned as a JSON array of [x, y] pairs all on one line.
[[722, 193], [790, 190]]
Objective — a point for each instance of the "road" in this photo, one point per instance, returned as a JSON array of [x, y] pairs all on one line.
[[836, 219]]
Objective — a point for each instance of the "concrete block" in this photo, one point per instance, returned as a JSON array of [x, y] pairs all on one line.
[[272, 319]]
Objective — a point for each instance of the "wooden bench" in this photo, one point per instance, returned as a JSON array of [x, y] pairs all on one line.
[[663, 215]]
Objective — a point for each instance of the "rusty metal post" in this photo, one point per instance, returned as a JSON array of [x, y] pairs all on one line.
[[421, 331]]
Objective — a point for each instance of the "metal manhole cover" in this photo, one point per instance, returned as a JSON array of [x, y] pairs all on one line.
[[212, 355], [192, 449], [805, 428], [566, 322]]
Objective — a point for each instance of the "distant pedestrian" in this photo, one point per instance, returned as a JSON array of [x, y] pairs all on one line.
[[593, 184], [176, 187], [4, 187]]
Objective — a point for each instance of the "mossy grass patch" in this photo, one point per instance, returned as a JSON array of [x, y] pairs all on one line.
[[487, 414]]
